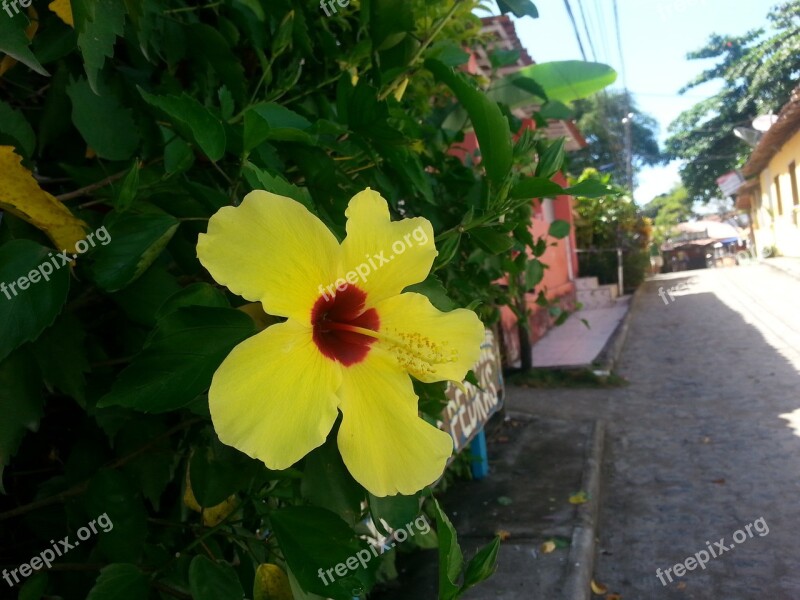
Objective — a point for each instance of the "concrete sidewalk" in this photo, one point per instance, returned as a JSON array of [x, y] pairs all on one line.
[[785, 264], [537, 463], [573, 344]]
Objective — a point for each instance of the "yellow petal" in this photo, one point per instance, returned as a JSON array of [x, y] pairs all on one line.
[[273, 396], [63, 9], [547, 547], [21, 195], [430, 344], [271, 583], [273, 250], [387, 256], [386, 446]]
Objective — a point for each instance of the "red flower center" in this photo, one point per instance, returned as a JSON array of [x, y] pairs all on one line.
[[335, 320]]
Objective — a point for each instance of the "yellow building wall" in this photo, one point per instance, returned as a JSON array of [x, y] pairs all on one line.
[[781, 230]]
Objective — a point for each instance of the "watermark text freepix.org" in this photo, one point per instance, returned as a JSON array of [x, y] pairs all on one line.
[[699, 559], [44, 270], [46, 557], [363, 270], [362, 557]]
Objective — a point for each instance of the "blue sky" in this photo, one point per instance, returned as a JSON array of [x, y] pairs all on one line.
[[656, 36]]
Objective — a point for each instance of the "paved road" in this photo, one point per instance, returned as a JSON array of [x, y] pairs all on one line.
[[704, 442]]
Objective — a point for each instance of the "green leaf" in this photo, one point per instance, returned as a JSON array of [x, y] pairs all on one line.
[[113, 494], [482, 566], [435, 291], [534, 273], [491, 127], [178, 155], [398, 511], [451, 559], [328, 484], [589, 188], [559, 229], [15, 43], [493, 242], [390, 22], [120, 581], [551, 160], [179, 358], [61, 355], [300, 529], [270, 121], [210, 46], [503, 58], [213, 580], [130, 187], [536, 187], [262, 180], [153, 470], [562, 81], [20, 404], [195, 294], [520, 8], [283, 37], [192, 121], [556, 110], [136, 241], [218, 471], [107, 127], [98, 23], [25, 313], [16, 131], [34, 588]]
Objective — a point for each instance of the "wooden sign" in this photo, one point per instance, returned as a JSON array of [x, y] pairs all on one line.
[[467, 413]]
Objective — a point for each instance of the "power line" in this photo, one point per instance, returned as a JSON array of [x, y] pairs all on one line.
[[575, 28], [586, 29], [619, 45], [602, 31]]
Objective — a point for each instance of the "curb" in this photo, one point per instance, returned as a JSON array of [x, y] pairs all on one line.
[[581, 553], [783, 270], [609, 355]]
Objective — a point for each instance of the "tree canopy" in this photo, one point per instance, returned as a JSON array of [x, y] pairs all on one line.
[[600, 119], [758, 71]]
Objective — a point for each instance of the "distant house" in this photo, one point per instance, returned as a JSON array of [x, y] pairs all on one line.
[[701, 244], [771, 197], [561, 258]]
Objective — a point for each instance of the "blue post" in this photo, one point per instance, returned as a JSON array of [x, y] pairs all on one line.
[[480, 456]]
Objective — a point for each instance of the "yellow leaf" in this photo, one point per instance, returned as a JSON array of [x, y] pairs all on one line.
[[579, 498], [215, 515], [63, 9], [503, 534], [271, 583], [21, 195], [188, 496], [401, 89], [547, 547], [598, 588]]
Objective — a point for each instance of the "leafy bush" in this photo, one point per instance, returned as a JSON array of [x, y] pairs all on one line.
[[134, 123]]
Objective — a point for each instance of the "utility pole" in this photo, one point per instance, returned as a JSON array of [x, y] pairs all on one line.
[[626, 121]]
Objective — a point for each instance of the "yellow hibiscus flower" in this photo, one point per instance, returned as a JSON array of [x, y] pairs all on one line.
[[349, 344]]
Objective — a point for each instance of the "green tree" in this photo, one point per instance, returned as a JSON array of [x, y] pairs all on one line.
[[758, 71], [600, 119], [607, 222], [667, 210]]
